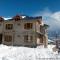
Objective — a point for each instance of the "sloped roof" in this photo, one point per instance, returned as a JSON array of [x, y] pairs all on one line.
[[21, 17], [29, 18]]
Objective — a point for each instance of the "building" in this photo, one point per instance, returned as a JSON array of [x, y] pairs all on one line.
[[23, 31]]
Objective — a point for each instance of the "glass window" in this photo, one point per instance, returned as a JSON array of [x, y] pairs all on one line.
[[8, 38], [28, 26], [26, 38], [9, 26], [41, 40]]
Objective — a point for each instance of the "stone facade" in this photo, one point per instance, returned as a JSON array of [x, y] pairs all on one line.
[[23, 31]]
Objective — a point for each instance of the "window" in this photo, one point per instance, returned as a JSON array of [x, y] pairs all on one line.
[[18, 35], [8, 38], [9, 26], [28, 26], [17, 18], [18, 24], [26, 38], [41, 40]]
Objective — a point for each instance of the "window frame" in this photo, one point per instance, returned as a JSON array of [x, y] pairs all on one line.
[[26, 38], [8, 38], [28, 26], [8, 26]]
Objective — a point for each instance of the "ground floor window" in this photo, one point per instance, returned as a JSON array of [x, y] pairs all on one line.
[[0, 38], [28, 38], [8, 38], [41, 40]]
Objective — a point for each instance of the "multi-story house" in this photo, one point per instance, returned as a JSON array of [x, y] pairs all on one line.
[[23, 31]]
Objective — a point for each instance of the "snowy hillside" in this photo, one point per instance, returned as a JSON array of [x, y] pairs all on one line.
[[24, 53]]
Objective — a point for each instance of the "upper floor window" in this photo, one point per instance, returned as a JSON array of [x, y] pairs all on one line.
[[28, 25], [9, 26]]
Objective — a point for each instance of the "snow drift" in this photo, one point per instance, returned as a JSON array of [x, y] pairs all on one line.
[[25, 53]]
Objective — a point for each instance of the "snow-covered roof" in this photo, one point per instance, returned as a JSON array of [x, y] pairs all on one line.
[[7, 18], [22, 17]]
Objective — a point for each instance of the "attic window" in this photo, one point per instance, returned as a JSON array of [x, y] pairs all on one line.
[[17, 17]]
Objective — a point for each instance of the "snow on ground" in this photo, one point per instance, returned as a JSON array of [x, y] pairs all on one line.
[[25, 53]]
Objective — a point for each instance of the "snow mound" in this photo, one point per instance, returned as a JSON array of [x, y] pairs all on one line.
[[24, 53]]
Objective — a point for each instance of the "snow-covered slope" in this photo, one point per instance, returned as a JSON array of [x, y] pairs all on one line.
[[24, 53]]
